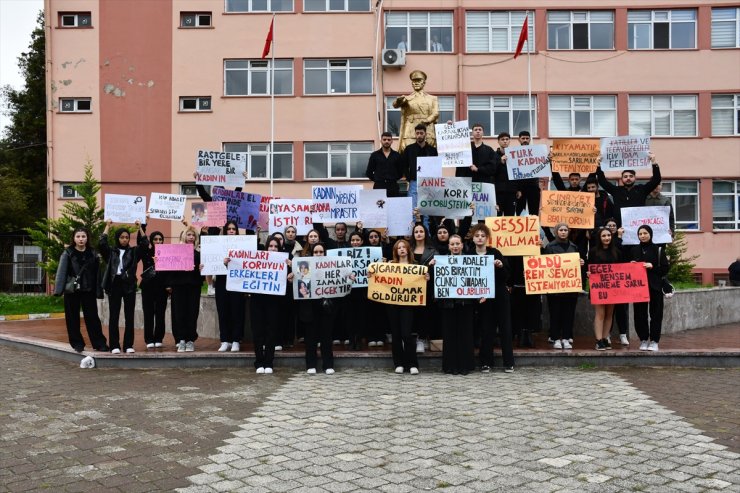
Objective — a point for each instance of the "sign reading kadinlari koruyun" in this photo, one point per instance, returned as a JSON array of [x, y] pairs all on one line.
[[453, 144], [220, 168], [257, 271], [445, 196], [523, 162], [626, 152], [464, 276]]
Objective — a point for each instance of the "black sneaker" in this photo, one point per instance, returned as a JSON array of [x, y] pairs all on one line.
[[607, 344], [600, 345]]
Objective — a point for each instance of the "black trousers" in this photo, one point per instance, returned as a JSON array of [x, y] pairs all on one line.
[[115, 297], [377, 321], [89, 305], [649, 330], [530, 198], [506, 202], [319, 329], [264, 314], [526, 311], [496, 313], [390, 187], [621, 315], [154, 306], [230, 310], [287, 319], [457, 326], [357, 316], [185, 310], [562, 308], [401, 321]]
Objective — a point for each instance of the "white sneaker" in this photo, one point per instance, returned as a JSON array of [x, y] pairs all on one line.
[[150, 345], [623, 340], [115, 351], [346, 342], [260, 370], [329, 371], [181, 347], [130, 350], [557, 345], [189, 346], [235, 347], [225, 346], [419, 346], [414, 370], [570, 341], [379, 343], [399, 369], [311, 371], [566, 344], [268, 371], [371, 344], [158, 344], [643, 345], [278, 348], [211, 291], [653, 346], [336, 342], [609, 340]]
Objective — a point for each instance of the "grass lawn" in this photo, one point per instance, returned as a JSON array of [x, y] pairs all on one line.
[[12, 304]]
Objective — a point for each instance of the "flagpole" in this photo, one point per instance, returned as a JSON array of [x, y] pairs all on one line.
[[529, 74], [272, 104]]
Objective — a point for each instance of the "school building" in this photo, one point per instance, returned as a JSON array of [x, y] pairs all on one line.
[[138, 86]]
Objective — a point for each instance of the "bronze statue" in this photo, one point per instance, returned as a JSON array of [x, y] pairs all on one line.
[[416, 108]]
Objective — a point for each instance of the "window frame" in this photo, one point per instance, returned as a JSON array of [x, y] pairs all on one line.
[[510, 109], [574, 21], [512, 31], [736, 206], [674, 196], [734, 107], [737, 27], [76, 16], [347, 78], [672, 110], [574, 109], [328, 10], [670, 23], [187, 186], [76, 102], [251, 70], [250, 9], [198, 16], [252, 152], [348, 153], [429, 26], [198, 101], [444, 102], [76, 195]]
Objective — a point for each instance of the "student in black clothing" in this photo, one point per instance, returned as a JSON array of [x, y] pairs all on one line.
[[529, 189], [265, 309], [574, 182], [505, 189], [604, 205], [411, 152], [628, 194], [184, 287], [229, 306], [384, 168], [605, 251], [153, 293], [484, 158], [621, 310], [655, 261]]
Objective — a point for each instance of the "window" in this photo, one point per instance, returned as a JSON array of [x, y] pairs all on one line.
[[496, 31], [336, 5], [393, 115], [259, 5], [68, 191], [252, 77], [195, 19], [258, 159], [661, 29], [419, 31], [583, 116], [502, 113], [337, 159], [191, 190], [75, 105], [345, 76], [726, 28], [726, 204], [580, 30], [188, 103], [684, 196], [663, 116], [75, 19], [726, 114]]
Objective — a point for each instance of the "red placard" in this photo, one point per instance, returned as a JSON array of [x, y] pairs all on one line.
[[618, 283]]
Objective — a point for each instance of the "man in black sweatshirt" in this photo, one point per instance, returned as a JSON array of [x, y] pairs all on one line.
[[484, 159], [384, 167], [628, 194], [411, 152]]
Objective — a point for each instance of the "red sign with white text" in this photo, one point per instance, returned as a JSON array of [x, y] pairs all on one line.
[[618, 283]]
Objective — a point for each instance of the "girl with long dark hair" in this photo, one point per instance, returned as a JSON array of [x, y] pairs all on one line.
[[153, 291], [655, 261], [229, 306], [604, 252]]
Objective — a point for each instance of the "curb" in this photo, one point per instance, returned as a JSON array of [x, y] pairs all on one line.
[[31, 316]]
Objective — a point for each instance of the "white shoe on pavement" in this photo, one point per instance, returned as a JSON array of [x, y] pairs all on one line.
[[268, 371], [643, 345], [189, 347], [557, 344], [181, 347], [329, 371], [150, 345], [414, 370], [260, 370], [116, 351], [235, 347], [623, 340], [371, 344], [225, 346], [566, 344], [653, 346], [399, 369], [158, 344], [130, 350], [278, 348], [211, 291], [311, 371]]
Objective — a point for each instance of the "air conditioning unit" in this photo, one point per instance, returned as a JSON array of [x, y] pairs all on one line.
[[25, 264], [394, 58]]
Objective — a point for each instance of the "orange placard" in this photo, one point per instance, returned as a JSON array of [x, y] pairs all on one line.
[[576, 209], [515, 235], [558, 273], [575, 155]]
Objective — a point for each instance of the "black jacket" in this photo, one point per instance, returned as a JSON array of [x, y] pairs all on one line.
[[382, 169], [484, 158], [408, 158], [628, 197], [71, 264], [501, 175], [656, 256], [112, 257]]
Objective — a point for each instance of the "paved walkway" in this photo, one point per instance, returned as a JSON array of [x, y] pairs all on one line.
[[67, 429]]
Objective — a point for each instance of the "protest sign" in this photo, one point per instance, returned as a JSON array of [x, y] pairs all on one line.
[[429, 166], [321, 277], [515, 235], [464, 276], [397, 284], [180, 256], [484, 198], [208, 214], [654, 216], [618, 283], [373, 212], [241, 207], [626, 152], [445, 196], [332, 203], [214, 249], [290, 212], [558, 273], [264, 219], [220, 168], [576, 209], [253, 271], [453, 144], [167, 206], [361, 257], [575, 155], [400, 216], [523, 162], [125, 208]]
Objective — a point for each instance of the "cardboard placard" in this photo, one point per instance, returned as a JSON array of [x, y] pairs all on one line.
[[260, 272], [576, 209], [208, 214], [400, 216], [126, 209], [321, 277], [290, 212], [558, 273], [214, 249], [429, 166], [575, 155], [241, 207], [453, 144], [373, 212], [361, 257], [335, 203], [445, 196], [464, 276], [515, 235], [172, 257], [626, 152], [397, 284], [618, 283], [484, 198], [220, 168], [657, 217], [524, 162], [168, 206], [264, 218]]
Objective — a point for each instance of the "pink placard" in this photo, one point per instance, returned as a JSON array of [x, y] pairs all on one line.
[[208, 214], [174, 257]]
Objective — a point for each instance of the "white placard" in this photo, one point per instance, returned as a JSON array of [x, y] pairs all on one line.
[[290, 212], [484, 198], [654, 216], [361, 257], [220, 168], [524, 162], [373, 210], [400, 216], [453, 144], [167, 206], [321, 277], [429, 166], [626, 152], [449, 196], [214, 249], [335, 203], [125, 208], [260, 272]]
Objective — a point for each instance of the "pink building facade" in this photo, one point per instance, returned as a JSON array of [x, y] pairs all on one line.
[[136, 87]]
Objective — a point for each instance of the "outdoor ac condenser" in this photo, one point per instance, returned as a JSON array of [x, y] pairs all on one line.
[[394, 58]]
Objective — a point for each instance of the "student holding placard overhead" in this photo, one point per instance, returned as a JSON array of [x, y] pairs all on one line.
[[184, 287], [229, 306], [655, 261], [153, 293], [628, 194]]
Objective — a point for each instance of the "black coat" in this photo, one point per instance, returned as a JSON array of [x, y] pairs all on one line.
[[113, 258], [656, 256], [408, 159], [628, 197], [71, 266]]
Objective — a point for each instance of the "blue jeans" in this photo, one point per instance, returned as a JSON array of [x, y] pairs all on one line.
[[414, 201]]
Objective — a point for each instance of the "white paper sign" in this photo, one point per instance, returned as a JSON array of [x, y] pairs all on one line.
[[429, 166], [654, 216], [334, 203], [373, 210], [464, 276], [321, 277], [523, 162], [220, 168], [261, 272], [626, 152], [214, 249], [361, 257], [453, 144], [167, 206], [448, 196], [125, 208], [290, 212], [484, 198], [400, 216]]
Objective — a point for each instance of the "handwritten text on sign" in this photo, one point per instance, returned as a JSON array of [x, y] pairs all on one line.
[[524, 162], [575, 155], [262, 272], [559, 273], [453, 144], [463, 276], [167, 206], [335, 203], [220, 168], [290, 212], [515, 235], [397, 284], [125, 208], [361, 257], [448, 196], [321, 277], [654, 216], [484, 198], [576, 209], [618, 283], [208, 214], [244, 208], [264, 219], [174, 256], [214, 249], [628, 152]]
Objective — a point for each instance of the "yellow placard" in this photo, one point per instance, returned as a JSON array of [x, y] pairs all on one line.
[[576, 209], [397, 284], [515, 235], [575, 155], [558, 273]]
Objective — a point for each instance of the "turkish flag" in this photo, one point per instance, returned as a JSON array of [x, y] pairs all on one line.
[[523, 36], [268, 40]]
